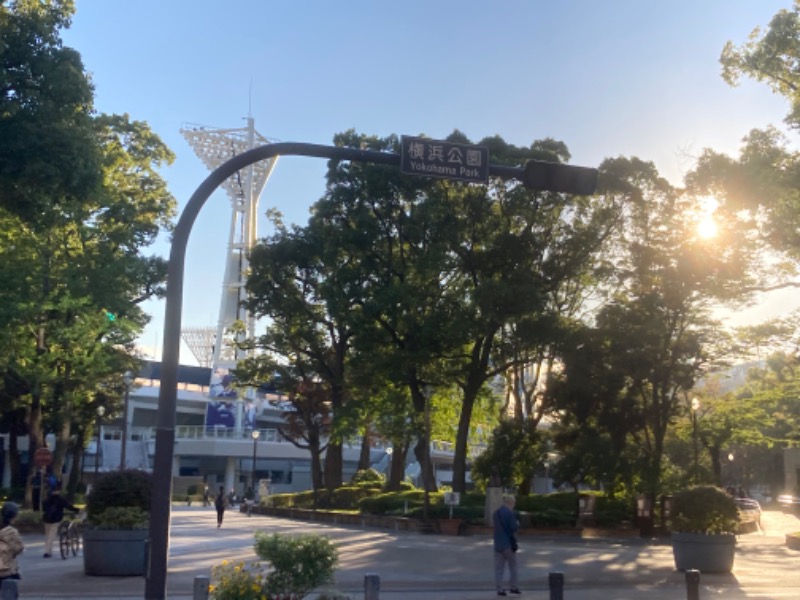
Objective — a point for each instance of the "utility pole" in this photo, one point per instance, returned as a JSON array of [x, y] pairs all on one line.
[[127, 379]]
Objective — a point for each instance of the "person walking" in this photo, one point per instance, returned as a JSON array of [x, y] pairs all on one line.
[[52, 515], [206, 496], [11, 544], [219, 504], [505, 545]]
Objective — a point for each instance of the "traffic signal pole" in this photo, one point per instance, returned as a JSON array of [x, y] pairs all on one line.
[[156, 583]]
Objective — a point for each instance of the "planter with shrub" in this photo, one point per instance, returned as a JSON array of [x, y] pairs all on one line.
[[116, 533], [793, 540], [704, 523]]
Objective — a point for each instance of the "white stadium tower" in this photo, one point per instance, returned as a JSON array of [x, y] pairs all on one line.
[[214, 147]]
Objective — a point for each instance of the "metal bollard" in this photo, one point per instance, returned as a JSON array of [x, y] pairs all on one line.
[[556, 581], [372, 585], [692, 584], [201, 587], [9, 589]]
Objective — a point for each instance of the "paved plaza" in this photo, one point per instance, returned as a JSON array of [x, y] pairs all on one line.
[[414, 566]]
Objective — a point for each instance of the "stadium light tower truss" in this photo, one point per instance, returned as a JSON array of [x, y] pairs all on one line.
[[201, 342], [215, 147]]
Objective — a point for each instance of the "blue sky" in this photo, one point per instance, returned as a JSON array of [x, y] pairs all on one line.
[[621, 77]]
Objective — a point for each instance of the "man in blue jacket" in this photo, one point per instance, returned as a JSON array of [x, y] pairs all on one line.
[[505, 545]]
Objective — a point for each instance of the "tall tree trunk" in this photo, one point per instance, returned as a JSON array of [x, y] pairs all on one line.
[[716, 462], [462, 438], [476, 377], [77, 466], [316, 471], [397, 466], [62, 439], [529, 425], [35, 441], [364, 460], [333, 456], [333, 465], [421, 452]]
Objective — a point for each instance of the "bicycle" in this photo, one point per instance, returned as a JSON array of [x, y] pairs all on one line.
[[69, 536]]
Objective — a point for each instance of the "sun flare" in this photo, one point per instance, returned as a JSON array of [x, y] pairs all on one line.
[[707, 228], [706, 225]]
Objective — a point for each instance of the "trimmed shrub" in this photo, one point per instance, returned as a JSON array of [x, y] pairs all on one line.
[[561, 501], [368, 477], [612, 511], [28, 521], [121, 517], [347, 498], [115, 489], [552, 517], [704, 509], [393, 503], [282, 500]]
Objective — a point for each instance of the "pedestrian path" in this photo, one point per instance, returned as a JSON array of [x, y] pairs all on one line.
[[413, 566]]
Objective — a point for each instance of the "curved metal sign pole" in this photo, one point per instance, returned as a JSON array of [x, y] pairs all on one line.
[[156, 585]]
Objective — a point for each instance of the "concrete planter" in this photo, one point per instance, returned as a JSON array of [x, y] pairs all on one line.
[[449, 526], [115, 552], [706, 553], [793, 541]]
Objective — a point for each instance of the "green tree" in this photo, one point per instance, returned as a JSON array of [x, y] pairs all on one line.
[[770, 56], [298, 281], [453, 267], [762, 183], [596, 418], [661, 337], [78, 216], [510, 456], [48, 153]]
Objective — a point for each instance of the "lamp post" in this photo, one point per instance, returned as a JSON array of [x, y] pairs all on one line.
[[426, 468], [127, 379], [255, 435], [695, 408], [101, 410]]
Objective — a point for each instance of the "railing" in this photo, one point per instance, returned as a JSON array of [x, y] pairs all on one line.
[[203, 432], [194, 432]]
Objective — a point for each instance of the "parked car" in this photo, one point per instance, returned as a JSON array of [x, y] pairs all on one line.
[[749, 512]]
